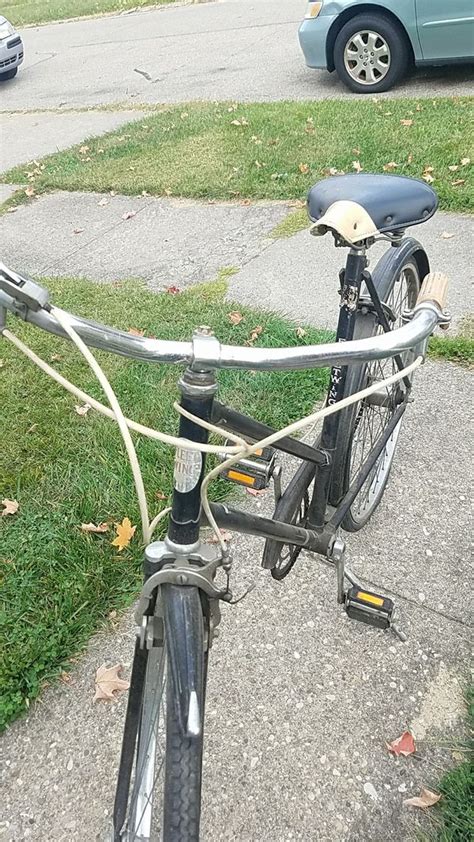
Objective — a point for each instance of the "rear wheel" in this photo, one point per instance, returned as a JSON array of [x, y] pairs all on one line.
[[371, 53], [362, 424], [163, 803]]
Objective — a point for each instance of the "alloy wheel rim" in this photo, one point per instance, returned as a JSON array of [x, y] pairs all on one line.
[[367, 57]]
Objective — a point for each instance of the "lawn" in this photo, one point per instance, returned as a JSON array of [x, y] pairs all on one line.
[[21, 12], [269, 150], [58, 584]]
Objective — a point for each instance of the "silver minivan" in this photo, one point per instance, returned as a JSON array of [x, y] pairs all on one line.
[[11, 50]]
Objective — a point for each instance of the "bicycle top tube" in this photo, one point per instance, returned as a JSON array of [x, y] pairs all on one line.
[[205, 352]]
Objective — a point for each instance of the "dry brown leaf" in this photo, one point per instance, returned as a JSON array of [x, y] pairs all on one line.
[[235, 317], [79, 230], [241, 122], [54, 358], [82, 410], [125, 532], [92, 527], [254, 492], [10, 507], [65, 678], [356, 165], [300, 332], [405, 745], [458, 182], [160, 495], [32, 428], [428, 177], [226, 536], [304, 168], [135, 332], [254, 334], [453, 167], [406, 122], [446, 235], [356, 151], [30, 191], [12, 210], [428, 169], [426, 798], [390, 167], [410, 159], [465, 162], [129, 214], [103, 202], [108, 681], [173, 290], [84, 149]]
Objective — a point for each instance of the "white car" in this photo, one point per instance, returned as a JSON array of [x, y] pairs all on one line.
[[11, 50]]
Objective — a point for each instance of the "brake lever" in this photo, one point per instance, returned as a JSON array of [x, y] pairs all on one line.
[[23, 289]]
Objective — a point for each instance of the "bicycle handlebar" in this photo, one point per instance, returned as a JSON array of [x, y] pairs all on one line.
[[205, 351]]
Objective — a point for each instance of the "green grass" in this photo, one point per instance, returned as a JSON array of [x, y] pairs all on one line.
[[457, 349], [21, 12], [276, 152], [58, 584], [455, 812], [295, 221]]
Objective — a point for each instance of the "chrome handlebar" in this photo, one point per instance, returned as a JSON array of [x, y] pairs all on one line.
[[205, 352]]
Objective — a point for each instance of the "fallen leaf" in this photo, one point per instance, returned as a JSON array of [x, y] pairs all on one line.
[[426, 798], [300, 332], [304, 168], [129, 214], [92, 527], [356, 151], [446, 235], [390, 167], [79, 230], [10, 507], [235, 318], [65, 678], [254, 334], [107, 682], [410, 159], [82, 410], [465, 162], [458, 182], [55, 357], [405, 745], [12, 210], [135, 332], [428, 169], [453, 168], [254, 492], [241, 122], [84, 149], [428, 177], [173, 290], [103, 202], [160, 495], [32, 428], [226, 536], [125, 532], [356, 166], [406, 122], [30, 191]]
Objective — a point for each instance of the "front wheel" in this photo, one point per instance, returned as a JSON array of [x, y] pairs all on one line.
[[362, 424], [371, 54], [161, 801]]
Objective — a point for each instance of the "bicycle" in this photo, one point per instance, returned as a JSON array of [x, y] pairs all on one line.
[[385, 320]]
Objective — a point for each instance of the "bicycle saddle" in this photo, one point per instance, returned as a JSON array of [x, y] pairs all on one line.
[[362, 205]]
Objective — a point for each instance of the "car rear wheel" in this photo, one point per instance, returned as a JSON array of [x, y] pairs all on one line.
[[371, 54], [9, 74]]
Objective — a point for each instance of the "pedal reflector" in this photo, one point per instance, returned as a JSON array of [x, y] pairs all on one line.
[[245, 479], [371, 608]]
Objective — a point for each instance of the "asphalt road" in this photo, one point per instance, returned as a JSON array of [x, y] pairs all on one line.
[[230, 49]]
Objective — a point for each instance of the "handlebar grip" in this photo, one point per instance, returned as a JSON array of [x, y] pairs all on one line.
[[434, 288]]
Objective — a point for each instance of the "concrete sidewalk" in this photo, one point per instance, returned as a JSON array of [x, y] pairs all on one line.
[[173, 241], [301, 700]]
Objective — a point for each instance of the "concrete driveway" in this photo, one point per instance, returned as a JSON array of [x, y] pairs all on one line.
[[230, 49]]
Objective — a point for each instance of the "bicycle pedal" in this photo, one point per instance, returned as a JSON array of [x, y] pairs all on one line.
[[369, 607], [255, 472]]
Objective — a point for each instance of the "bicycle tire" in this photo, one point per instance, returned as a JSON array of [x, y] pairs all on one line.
[[355, 421], [164, 800]]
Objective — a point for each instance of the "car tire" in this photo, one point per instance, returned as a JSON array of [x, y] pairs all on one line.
[[9, 74], [372, 70]]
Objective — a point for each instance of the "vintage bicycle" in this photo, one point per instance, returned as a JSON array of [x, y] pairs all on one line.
[[385, 319]]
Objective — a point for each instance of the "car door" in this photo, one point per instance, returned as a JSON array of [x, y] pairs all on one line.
[[446, 28]]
